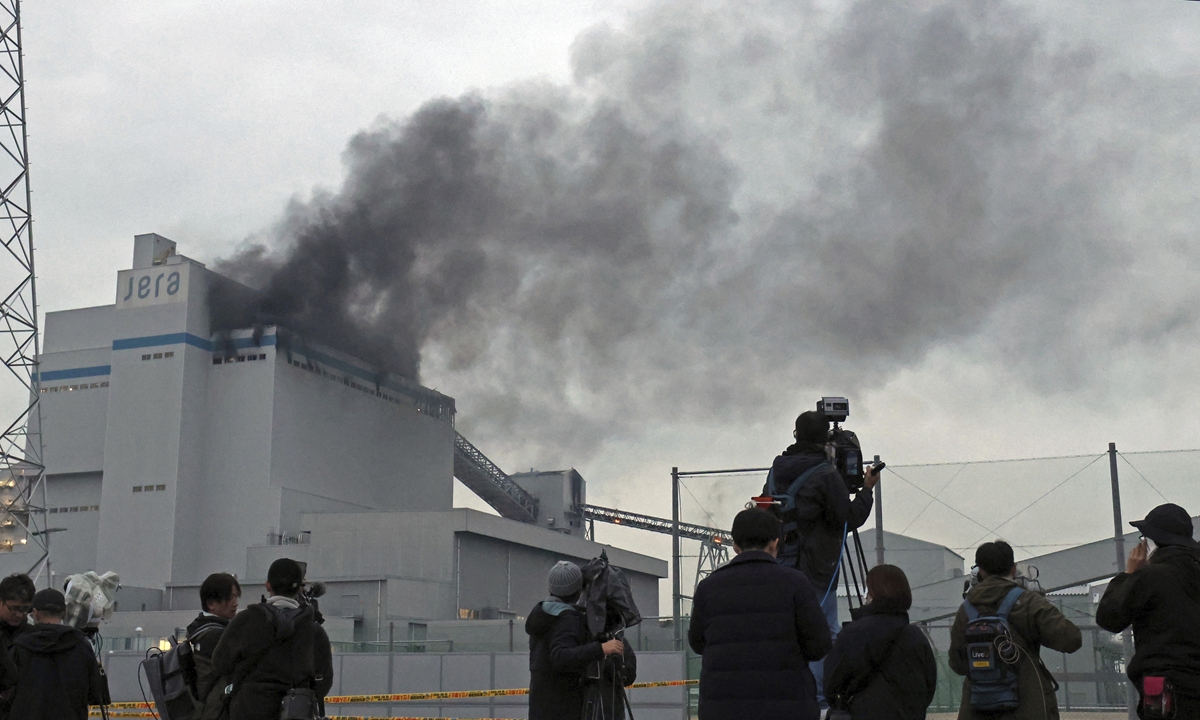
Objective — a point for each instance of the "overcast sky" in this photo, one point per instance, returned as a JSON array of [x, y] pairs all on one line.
[[978, 220]]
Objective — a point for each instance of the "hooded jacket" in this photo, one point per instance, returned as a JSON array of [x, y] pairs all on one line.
[[1162, 602], [756, 625], [58, 675], [267, 650], [1034, 623], [559, 653], [881, 667], [824, 513]]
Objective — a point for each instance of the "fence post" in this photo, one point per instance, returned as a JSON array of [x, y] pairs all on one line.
[[676, 589], [1131, 693], [391, 659], [878, 519]]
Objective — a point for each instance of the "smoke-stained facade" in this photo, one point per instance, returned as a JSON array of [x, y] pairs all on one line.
[[174, 451]]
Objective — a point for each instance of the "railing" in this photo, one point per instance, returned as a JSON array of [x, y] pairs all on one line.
[[656, 524], [491, 483]]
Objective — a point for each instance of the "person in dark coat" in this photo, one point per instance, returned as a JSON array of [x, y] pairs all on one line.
[[824, 514], [220, 594], [560, 649], [16, 600], [1159, 595], [58, 674], [881, 667], [756, 625], [268, 649]]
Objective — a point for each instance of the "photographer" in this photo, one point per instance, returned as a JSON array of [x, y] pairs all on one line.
[[269, 649], [1159, 594], [560, 649], [823, 514]]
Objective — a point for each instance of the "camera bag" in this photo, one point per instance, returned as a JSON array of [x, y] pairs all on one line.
[[1158, 697]]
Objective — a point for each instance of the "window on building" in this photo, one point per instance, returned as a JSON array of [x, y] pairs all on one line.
[[160, 487], [262, 356], [53, 511], [158, 356], [216, 361], [104, 384], [145, 357], [137, 488], [169, 354], [95, 508]]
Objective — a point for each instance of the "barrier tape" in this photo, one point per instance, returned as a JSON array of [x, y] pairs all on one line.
[[407, 697]]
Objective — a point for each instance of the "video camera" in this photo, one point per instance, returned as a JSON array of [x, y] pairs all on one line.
[[843, 448]]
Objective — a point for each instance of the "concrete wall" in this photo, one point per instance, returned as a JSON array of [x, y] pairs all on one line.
[[368, 673]]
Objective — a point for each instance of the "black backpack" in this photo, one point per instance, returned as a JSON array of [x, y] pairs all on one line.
[[992, 656], [167, 672]]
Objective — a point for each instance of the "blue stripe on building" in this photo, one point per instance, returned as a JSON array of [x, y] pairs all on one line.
[[93, 371], [187, 339]]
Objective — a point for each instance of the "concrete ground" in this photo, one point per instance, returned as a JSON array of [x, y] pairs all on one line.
[[1103, 715]]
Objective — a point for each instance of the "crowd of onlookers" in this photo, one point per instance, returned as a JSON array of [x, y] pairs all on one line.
[[766, 623], [246, 665]]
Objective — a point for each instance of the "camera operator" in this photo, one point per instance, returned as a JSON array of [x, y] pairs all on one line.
[[560, 649], [269, 650], [824, 513], [1159, 594]]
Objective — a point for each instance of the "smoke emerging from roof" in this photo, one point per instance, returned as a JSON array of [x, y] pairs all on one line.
[[733, 202]]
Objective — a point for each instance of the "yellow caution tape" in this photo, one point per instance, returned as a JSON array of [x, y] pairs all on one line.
[[408, 697]]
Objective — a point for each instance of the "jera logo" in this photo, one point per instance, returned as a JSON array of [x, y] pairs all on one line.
[[145, 282]]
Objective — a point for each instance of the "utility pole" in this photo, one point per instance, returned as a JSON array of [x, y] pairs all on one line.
[[878, 519], [1131, 693], [22, 472], [675, 564]]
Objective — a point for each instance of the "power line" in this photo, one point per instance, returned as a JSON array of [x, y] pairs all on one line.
[[1143, 477], [1041, 497], [939, 492], [703, 509]]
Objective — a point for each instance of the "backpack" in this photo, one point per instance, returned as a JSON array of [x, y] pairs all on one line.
[[992, 656], [786, 503], [167, 673]]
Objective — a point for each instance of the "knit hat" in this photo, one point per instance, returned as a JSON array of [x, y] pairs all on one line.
[[566, 579], [49, 600]]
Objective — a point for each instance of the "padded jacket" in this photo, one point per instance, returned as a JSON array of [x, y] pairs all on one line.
[[559, 653], [881, 667]]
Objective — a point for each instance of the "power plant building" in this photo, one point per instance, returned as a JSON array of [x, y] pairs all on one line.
[[173, 452]]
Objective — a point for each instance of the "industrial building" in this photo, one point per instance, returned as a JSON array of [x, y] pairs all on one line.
[[173, 452]]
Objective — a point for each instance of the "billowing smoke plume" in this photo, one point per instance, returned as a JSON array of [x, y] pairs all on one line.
[[734, 203]]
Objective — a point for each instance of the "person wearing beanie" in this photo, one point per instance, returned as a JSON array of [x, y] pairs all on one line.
[[1034, 623], [58, 674], [560, 648], [271, 648], [824, 514], [1159, 595]]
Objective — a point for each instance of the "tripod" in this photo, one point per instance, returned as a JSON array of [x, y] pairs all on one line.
[[857, 565], [605, 697]]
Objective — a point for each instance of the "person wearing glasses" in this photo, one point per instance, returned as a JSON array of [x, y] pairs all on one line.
[[16, 600]]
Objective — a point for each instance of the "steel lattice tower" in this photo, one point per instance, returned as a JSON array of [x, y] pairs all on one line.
[[22, 472]]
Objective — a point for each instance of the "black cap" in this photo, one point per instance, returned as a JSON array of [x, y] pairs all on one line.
[[286, 576], [49, 600], [812, 427], [1168, 525]]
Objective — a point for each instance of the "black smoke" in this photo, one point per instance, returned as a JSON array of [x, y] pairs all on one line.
[[733, 204]]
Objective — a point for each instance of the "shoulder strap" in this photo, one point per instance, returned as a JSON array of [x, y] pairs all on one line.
[[1009, 600], [972, 613], [799, 482], [204, 630]]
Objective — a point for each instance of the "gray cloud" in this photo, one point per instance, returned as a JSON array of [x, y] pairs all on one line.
[[739, 202]]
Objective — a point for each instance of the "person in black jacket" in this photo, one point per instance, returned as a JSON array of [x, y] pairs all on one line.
[[58, 675], [16, 600], [881, 667], [757, 624], [269, 648], [219, 596], [823, 514], [1160, 596], [560, 648]]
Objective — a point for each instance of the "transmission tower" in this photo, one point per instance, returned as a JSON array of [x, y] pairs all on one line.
[[22, 471]]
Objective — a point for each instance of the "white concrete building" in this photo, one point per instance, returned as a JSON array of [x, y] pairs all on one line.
[[173, 452]]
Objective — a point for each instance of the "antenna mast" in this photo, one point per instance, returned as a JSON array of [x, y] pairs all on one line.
[[22, 471]]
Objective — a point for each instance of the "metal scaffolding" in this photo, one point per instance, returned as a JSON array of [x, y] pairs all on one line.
[[22, 471]]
